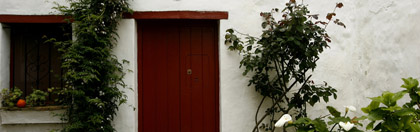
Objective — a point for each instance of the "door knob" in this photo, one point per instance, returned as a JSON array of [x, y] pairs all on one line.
[[189, 71]]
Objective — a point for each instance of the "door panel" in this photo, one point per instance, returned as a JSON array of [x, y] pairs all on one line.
[[161, 79], [173, 80], [195, 57], [211, 77], [173, 100], [185, 81]]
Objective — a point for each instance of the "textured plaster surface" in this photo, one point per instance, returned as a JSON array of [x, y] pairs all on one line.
[[379, 46], [4, 59], [31, 128], [4, 55], [29, 7], [126, 121], [31, 117]]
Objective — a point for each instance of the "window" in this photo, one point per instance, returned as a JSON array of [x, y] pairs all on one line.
[[35, 63]]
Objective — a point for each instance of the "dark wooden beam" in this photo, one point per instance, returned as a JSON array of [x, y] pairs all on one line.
[[178, 15], [135, 15], [32, 19]]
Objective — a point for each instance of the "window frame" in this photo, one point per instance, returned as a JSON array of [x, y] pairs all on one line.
[[28, 50], [5, 40]]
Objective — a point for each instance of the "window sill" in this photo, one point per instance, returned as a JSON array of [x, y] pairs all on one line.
[[36, 108], [32, 115]]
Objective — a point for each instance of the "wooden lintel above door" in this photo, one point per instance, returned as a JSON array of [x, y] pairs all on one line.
[[215, 15]]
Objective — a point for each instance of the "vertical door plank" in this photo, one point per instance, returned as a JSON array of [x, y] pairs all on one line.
[[160, 79], [140, 77], [209, 80], [216, 77], [173, 75], [149, 93], [197, 79], [186, 118]]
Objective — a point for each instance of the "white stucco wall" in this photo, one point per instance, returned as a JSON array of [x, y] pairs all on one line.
[[29, 7], [4, 55], [126, 121], [378, 47]]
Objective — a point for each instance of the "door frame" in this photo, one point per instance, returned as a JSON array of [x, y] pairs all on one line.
[[177, 15]]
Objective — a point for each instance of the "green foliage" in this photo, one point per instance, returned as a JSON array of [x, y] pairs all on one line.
[[280, 59], [333, 111], [37, 98], [308, 125], [59, 93], [384, 113], [391, 117], [93, 74], [10, 98], [320, 125]]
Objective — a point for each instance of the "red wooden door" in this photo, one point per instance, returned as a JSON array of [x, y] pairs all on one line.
[[178, 76]]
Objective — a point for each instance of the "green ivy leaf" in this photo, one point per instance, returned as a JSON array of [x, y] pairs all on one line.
[[313, 100], [229, 30], [405, 121], [333, 111], [398, 96], [387, 98], [378, 127], [325, 98], [373, 105], [415, 127], [370, 125], [376, 114], [249, 48], [405, 112], [335, 120], [410, 83], [320, 125], [303, 120], [264, 24], [360, 118], [227, 37], [392, 108]]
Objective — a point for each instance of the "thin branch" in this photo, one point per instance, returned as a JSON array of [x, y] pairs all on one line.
[[324, 116], [272, 117], [281, 109], [266, 114], [305, 83], [293, 84], [259, 122], [244, 34], [278, 100], [330, 19], [278, 74], [258, 109]]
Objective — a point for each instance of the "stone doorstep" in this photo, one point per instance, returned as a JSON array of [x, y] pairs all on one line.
[[32, 115]]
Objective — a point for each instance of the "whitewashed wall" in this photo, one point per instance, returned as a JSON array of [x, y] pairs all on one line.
[[379, 46]]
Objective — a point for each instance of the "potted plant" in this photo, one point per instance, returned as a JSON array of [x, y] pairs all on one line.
[[10, 97]]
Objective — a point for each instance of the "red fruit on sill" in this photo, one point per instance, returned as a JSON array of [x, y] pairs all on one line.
[[21, 103]]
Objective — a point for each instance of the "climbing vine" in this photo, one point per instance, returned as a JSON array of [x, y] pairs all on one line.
[[93, 75], [280, 61]]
